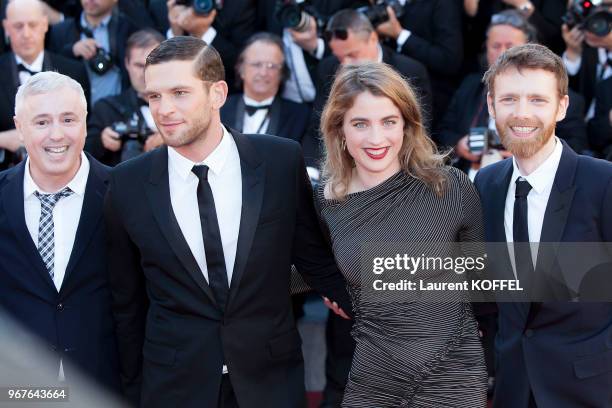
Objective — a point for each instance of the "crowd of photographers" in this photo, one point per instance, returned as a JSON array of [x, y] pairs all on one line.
[[280, 57]]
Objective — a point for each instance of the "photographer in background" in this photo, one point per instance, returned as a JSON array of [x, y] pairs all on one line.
[[467, 126], [225, 25], [97, 38], [600, 126], [121, 126], [588, 56]]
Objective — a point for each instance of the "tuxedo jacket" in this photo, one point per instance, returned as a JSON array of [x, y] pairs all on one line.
[[62, 37], [559, 351], [75, 324], [173, 338], [287, 118]]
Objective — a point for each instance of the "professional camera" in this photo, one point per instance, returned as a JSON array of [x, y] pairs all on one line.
[[481, 137], [101, 62], [132, 129], [202, 7], [295, 14], [590, 15], [377, 14]]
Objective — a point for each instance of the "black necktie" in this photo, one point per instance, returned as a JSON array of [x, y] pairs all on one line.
[[520, 231], [22, 68], [215, 262], [250, 109]]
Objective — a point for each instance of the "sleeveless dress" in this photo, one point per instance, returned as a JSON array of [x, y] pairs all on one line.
[[408, 354]]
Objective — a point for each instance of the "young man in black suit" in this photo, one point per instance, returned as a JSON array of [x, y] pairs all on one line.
[[26, 26], [549, 353], [53, 274], [203, 234], [261, 70]]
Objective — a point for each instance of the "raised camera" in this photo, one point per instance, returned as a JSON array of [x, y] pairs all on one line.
[[482, 138], [101, 62], [377, 14], [590, 15], [202, 7]]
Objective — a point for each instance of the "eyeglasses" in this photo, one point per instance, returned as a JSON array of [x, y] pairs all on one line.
[[340, 34], [265, 65], [513, 20]]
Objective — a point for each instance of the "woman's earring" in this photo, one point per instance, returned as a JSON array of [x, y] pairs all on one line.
[[343, 144]]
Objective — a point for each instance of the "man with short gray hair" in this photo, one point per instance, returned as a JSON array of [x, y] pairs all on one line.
[[53, 277]]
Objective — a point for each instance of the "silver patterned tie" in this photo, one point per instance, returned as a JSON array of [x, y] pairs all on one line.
[[46, 235]]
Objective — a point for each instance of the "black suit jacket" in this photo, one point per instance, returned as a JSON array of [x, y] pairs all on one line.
[[471, 96], [585, 81], [76, 324], [173, 338], [561, 352], [287, 118], [62, 37], [410, 68], [600, 131]]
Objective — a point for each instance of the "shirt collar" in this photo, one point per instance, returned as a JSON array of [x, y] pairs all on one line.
[[380, 53], [544, 175], [37, 64], [253, 102], [215, 161], [103, 23], [604, 55], [77, 184]]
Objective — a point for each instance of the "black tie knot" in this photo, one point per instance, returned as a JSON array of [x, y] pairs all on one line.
[[201, 171], [22, 68], [250, 109], [522, 188]]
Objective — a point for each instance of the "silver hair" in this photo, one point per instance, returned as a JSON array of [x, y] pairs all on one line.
[[45, 82]]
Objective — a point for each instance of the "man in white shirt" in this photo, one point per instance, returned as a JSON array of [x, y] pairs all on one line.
[[203, 234], [53, 276], [549, 354]]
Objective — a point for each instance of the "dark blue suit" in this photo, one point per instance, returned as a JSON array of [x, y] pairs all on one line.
[[558, 351], [75, 323]]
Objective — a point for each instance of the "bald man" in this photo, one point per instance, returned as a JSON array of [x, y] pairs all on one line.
[[26, 25]]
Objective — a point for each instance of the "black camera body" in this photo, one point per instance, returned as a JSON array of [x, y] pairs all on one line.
[[132, 130], [589, 16], [102, 62], [482, 138], [202, 7], [295, 14], [377, 14]]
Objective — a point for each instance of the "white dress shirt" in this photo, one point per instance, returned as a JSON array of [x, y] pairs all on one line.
[[66, 215], [225, 180], [260, 120], [541, 181], [35, 66]]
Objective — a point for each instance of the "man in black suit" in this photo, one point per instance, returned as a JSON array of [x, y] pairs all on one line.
[[212, 296], [26, 26], [128, 108], [53, 274], [352, 39], [468, 108], [600, 126], [261, 69], [98, 34], [549, 354]]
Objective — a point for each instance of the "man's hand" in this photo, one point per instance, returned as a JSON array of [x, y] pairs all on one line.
[[307, 39], [573, 41], [173, 13], [462, 149], [9, 140], [195, 24], [86, 48], [111, 140], [335, 308], [391, 28], [153, 141]]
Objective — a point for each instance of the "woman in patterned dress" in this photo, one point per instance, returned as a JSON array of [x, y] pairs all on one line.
[[385, 182]]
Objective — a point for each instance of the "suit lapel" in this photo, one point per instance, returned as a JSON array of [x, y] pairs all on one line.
[[12, 200], [91, 216], [253, 174], [158, 194], [275, 115]]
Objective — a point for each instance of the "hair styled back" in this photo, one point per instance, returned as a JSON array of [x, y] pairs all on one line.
[[528, 56], [418, 155], [45, 82], [207, 61]]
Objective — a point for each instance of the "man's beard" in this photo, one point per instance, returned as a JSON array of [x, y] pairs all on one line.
[[525, 147], [188, 136]]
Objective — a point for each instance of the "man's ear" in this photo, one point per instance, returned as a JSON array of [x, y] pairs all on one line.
[[218, 94], [18, 127], [562, 108], [491, 105]]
